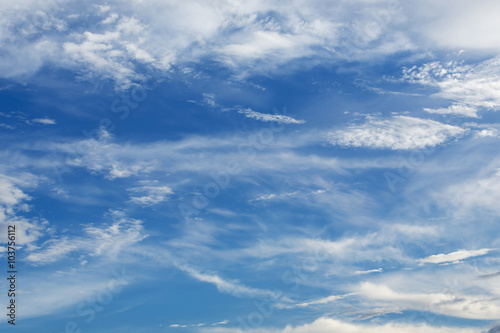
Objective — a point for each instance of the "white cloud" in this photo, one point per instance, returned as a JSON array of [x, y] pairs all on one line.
[[456, 109], [44, 121], [48, 296], [209, 99], [366, 85], [230, 287], [10, 194], [266, 197], [455, 304], [113, 160], [13, 203], [490, 132], [324, 300], [278, 118], [110, 19], [151, 195], [461, 24], [454, 256], [247, 37], [107, 54], [348, 253], [7, 126], [103, 9], [399, 132], [224, 322], [377, 270], [274, 46], [469, 86], [329, 325], [475, 193], [98, 240]]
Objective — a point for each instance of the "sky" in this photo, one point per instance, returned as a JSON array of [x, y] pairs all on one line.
[[251, 166]]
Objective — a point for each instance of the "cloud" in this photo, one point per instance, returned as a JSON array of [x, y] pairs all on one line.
[[152, 195], [329, 325], [456, 109], [247, 38], [10, 194], [209, 99], [495, 329], [324, 300], [454, 256], [112, 54], [479, 193], [456, 304], [366, 85], [287, 195], [13, 204], [488, 276], [490, 132], [56, 293], [348, 253], [230, 287], [464, 25], [105, 156], [278, 118], [378, 270], [98, 240], [44, 121], [7, 126], [376, 312], [224, 322], [399, 132], [469, 87]]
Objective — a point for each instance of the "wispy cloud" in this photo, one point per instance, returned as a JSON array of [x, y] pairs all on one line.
[[150, 195], [457, 304], [456, 109], [278, 118], [231, 287], [281, 196], [377, 270], [98, 240], [454, 256], [328, 325], [324, 300], [44, 121], [223, 322], [367, 86], [14, 203], [476, 193]]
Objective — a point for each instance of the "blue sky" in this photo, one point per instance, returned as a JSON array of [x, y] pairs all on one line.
[[265, 166]]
